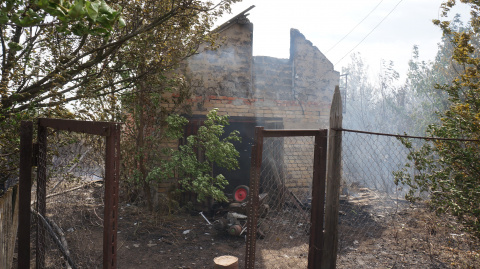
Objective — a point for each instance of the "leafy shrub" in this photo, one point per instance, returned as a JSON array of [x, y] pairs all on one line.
[[192, 163]]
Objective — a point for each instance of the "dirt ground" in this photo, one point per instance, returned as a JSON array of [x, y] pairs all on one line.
[[411, 237], [414, 237]]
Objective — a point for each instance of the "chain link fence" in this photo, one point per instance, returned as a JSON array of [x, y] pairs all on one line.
[[72, 222], [286, 189], [369, 198], [378, 228]]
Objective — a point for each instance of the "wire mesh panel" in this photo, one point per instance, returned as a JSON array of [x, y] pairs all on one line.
[[75, 202], [370, 200], [72, 220], [286, 179], [285, 201]]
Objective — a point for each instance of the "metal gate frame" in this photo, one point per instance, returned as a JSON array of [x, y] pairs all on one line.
[[111, 131], [318, 193]]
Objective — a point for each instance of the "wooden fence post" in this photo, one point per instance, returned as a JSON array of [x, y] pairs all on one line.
[[334, 174], [8, 226]]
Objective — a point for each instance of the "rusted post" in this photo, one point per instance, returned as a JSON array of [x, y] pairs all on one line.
[[112, 174], [333, 183], [25, 190], [318, 200], [253, 200]]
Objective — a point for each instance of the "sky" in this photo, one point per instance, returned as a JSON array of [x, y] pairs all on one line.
[[389, 28]]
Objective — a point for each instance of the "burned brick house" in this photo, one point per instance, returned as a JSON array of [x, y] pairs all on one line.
[[292, 93]]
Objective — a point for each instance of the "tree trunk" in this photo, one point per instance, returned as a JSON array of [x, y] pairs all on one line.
[[226, 262], [141, 147]]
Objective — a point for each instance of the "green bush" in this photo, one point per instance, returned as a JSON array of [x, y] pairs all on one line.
[[192, 163]]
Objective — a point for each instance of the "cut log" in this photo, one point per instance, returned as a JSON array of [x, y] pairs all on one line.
[[226, 262]]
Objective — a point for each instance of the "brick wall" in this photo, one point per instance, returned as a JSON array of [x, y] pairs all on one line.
[[226, 71], [297, 90]]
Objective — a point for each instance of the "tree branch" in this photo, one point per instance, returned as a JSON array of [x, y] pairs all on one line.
[[4, 53], [58, 241]]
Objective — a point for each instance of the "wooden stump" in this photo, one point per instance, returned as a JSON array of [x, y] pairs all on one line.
[[226, 262]]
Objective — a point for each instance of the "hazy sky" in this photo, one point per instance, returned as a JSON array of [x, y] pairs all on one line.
[[325, 22]]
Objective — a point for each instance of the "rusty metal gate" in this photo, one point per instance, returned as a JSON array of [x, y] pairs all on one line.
[[110, 165], [287, 199]]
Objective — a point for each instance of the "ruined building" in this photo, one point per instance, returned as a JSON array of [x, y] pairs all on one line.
[[292, 93]]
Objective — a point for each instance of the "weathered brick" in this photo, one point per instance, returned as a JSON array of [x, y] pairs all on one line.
[[239, 84]]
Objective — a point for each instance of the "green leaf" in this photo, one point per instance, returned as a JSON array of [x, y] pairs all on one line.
[[104, 21], [121, 22], [60, 12], [77, 10], [43, 3], [3, 18], [105, 8], [79, 29], [92, 9], [15, 46], [9, 5], [98, 31]]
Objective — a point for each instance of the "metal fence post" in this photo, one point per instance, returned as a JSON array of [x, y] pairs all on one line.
[[253, 200], [25, 189], [41, 194], [112, 174]]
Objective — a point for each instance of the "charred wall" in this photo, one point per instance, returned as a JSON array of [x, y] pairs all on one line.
[[294, 93], [226, 71]]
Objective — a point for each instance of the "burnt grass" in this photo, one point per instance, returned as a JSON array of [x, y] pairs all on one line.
[[404, 236], [409, 236]]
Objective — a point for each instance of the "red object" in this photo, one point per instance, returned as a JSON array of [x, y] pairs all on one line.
[[240, 193], [235, 230]]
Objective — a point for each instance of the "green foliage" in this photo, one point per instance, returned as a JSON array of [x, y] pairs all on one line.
[[426, 81], [80, 58], [145, 112], [10, 145], [193, 162], [78, 17], [449, 169]]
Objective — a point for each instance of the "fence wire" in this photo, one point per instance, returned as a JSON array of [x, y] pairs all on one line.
[[73, 219], [286, 184], [369, 198], [378, 228]]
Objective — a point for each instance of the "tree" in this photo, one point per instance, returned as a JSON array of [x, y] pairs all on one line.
[[57, 52], [449, 169], [52, 52], [379, 107], [372, 106], [146, 107], [359, 94], [145, 112], [422, 78]]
